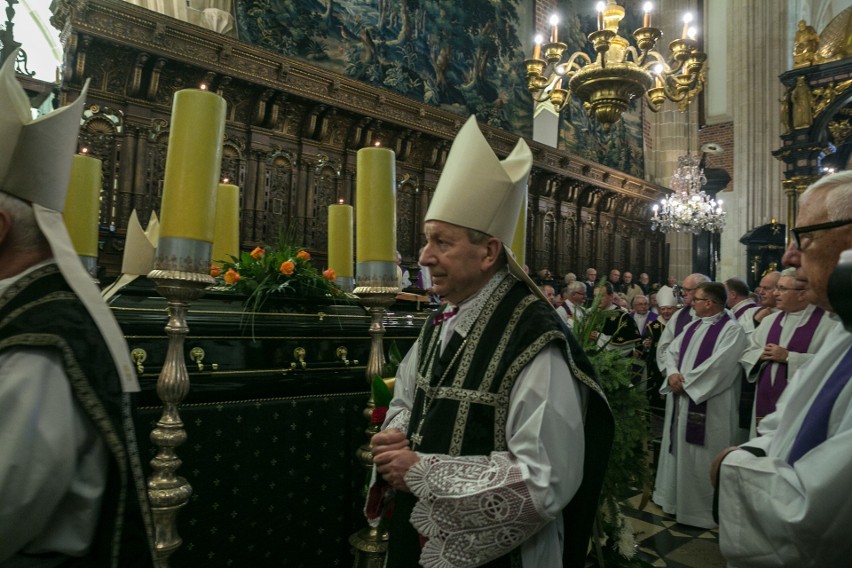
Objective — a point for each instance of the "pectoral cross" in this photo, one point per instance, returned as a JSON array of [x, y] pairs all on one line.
[[416, 438]]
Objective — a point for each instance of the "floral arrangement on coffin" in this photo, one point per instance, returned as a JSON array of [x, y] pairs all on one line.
[[628, 467], [283, 271]]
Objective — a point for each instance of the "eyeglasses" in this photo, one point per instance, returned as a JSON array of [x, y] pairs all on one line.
[[702, 300], [684, 290], [799, 231]]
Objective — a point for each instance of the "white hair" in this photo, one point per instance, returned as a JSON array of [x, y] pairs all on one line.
[[838, 194]]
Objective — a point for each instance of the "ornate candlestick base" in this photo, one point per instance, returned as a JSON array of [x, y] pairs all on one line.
[[168, 492], [370, 544]]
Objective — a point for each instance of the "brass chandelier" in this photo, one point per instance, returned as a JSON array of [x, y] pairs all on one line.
[[620, 72]]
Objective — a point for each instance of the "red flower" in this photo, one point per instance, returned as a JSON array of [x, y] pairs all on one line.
[[215, 270], [329, 274], [377, 417], [303, 255]]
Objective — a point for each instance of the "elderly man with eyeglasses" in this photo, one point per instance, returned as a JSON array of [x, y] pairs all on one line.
[[783, 498], [702, 387]]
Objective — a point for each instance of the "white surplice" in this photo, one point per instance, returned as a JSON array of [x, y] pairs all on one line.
[[544, 461], [682, 486], [790, 322], [53, 463], [668, 336], [772, 513]]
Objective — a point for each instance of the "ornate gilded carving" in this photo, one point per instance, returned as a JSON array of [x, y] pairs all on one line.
[[839, 130]]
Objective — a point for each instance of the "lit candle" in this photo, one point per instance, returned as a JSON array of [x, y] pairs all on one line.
[[340, 240], [646, 20], [82, 204], [537, 48], [687, 18], [226, 230], [375, 194], [193, 162], [600, 8], [692, 33], [554, 34]]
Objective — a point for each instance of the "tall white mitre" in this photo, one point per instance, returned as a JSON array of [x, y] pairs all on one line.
[[35, 165], [479, 191]]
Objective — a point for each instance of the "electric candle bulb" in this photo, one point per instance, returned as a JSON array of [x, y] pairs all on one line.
[[646, 20], [554, 35], [687, 19], [537, 49]]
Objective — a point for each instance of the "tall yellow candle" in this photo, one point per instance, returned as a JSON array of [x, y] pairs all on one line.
[[375, 195], [82, 204], [340, 240], [193, 162], [519, 240], [226, 231]]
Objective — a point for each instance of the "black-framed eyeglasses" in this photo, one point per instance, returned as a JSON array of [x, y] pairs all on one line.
[[799, 231]]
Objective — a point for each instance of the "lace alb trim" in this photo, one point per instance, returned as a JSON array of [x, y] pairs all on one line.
[[473, 509], [400, 420]]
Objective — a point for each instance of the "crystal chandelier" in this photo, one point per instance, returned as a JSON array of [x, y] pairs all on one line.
[[620, 71], [688, 209]]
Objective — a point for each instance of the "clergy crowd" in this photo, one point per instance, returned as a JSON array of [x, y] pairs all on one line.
[[494, 448], [717, 353]]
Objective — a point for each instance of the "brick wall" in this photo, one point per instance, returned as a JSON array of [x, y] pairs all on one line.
[[722, 134], [543, 10]]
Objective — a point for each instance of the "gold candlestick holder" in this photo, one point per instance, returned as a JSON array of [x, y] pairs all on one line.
[[377, 288], [167, 491]]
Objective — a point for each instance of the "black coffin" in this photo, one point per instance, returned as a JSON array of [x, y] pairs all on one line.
[[271, 441]]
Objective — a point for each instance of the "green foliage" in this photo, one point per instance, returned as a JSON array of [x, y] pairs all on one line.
[[284, 270], [628, 467], [381, 393]]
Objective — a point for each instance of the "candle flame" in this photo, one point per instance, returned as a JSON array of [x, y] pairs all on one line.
[[539, 39], [601, 6], [692, 33], [84, 150], [377, 144], [340, 201], [647, 7], [687, 18], [554, 20], [225, 180], [203, 87]]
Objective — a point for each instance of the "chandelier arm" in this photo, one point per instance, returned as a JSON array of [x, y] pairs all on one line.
[[571, 65]]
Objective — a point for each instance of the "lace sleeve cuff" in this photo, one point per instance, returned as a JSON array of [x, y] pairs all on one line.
[[399, 420], [472, 509]]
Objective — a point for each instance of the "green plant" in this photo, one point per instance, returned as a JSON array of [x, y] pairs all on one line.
[[628, 467]]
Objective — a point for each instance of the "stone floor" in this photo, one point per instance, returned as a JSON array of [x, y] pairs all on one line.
[[665, 543]]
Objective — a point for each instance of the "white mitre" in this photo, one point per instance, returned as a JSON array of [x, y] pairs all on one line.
[[478, 191], [35, 165], [665, 297], [140, 248]]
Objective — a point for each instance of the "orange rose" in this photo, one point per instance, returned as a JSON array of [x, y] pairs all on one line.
[[329, 274], [287, 268], [257, 253], [215, 270], [303, 255], [232, 276]]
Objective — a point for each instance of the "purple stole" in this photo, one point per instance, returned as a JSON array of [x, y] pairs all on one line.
[[683, 318], [768, 393], [742, 309], [651, 317], [697, 413], [814, 430]]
